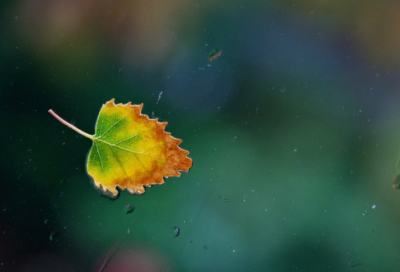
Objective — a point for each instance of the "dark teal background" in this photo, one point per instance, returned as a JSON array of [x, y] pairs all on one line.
[[293, 131]]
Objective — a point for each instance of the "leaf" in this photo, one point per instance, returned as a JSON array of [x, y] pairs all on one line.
[[214, 54], [131, 151], [396, 183]]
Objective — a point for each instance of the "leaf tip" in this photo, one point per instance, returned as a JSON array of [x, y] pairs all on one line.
[[110, 103]]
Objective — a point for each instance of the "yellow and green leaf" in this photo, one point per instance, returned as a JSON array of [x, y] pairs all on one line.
[[396, 183], [130, 150], [214, 54]]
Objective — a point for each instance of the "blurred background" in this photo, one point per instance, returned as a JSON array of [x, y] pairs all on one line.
[[293, 131]]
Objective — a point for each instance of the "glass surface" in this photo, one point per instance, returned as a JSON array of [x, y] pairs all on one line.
[[289, 110]]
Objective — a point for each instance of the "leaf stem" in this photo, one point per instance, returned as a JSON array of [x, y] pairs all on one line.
[[71, 126]]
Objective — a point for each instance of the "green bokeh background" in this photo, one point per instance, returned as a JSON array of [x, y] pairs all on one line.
[[293, 132]]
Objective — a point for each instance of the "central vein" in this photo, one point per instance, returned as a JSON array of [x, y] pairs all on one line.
[[125, 149]]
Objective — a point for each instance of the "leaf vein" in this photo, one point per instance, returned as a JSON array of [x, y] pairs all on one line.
[[127, 150], [101, 162], [132, 136], [113, 125], [120, 163]]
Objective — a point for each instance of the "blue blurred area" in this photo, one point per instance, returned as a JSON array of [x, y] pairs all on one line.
[[292, 131]]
